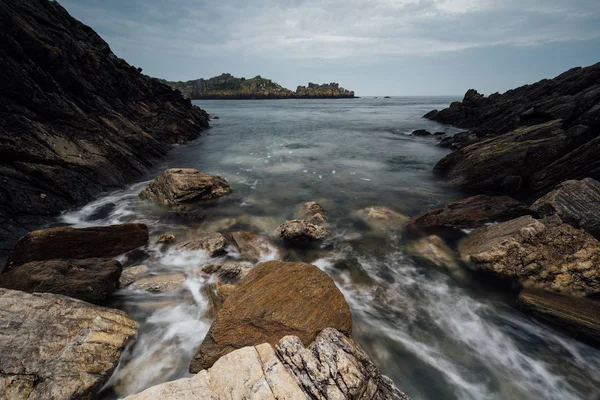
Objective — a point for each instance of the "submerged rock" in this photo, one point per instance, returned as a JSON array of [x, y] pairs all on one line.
[[300, 231], [55, 347], [185, 188], [91, 280], [71, 243], [470, 213], [574, 202], [131, 274], [212, 242], [554, 257], [253, 247], [579, 316], [275, 299], [160, 283], [312, 212], [432, 250], [383, 217]]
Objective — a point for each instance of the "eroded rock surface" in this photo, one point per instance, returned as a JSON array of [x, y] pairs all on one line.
[[184, 188], [229, 271], [298, 230], [160, 283], [55, 347], [275, 299], [550, 256], [253, 247], [212, 242], [91, 280], [575, 202], [72, 243], [131, 274]]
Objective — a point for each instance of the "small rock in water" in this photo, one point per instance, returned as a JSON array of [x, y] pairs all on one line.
[[434, 251], [160, 283], [213, 243], [131, 274], [312, 212], [300, 231], [421, 132], [253, 247], [383, 217], [166, 238], [230, 271]]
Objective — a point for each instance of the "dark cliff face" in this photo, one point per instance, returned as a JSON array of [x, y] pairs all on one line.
[[75, 119]]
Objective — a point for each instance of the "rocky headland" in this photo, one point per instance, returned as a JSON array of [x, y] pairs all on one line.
[[228, 87]]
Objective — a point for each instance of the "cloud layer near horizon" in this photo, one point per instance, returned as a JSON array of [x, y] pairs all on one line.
[[219, 36]]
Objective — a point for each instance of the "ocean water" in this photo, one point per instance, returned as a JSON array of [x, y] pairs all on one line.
[[437, 335]]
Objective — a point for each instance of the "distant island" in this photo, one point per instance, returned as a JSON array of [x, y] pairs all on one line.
[[227, 86]]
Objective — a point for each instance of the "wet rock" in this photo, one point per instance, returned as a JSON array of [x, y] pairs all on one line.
[[312, 212], [166, 238], [421, 132], [229, 271], [556, 257], [383, 218], [71, 243], [275, 299], [214, 301], [76, 119], [579, 316], [212, 242], [91, 280], [432, 250], [300, 231], [131, 274], [252, 372], [470, 213], [160, 283], [335, 367], [253, 247], [55, 347], [183, 188], [224, 289], [575, 202], [264, 224]]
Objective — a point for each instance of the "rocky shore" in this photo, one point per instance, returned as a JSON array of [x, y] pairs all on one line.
[[76, 119]]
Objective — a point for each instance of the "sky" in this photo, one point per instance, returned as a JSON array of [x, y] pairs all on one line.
[[374, 47]]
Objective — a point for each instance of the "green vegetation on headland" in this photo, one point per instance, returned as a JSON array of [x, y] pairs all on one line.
[[226, 86]]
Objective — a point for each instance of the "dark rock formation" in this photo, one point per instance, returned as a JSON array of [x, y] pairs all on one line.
[[566, 114], [76, 119], [274, 300], [227, 86], [421, 132], [183, 188], [71, 243], [579, 316], [91, 280], [469, 213], [575, 202]]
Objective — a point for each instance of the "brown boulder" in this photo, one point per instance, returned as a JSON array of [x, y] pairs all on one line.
[[469, 213], [577, 315], [574, 202], [91, 280], [184, 188], [298, 230], [545, 255], [275, 299], [212, 242], [252, 247], [71, 243]]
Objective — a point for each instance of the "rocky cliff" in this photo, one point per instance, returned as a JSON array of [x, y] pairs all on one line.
[[76, 120], [226, 86]]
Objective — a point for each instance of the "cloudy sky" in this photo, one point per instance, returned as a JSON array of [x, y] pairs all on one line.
[[375, 47]]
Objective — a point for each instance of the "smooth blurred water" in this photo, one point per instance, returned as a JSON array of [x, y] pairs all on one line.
[[437, 336]]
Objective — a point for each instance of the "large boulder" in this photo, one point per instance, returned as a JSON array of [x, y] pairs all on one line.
[[71, 243], [253, 247], [574, 202], [184, 188], [212, 242], [470, 213], [553, 256], [333, 367], [579, 316], [275, 299], [91, 280], [55, 347], [299, 230]]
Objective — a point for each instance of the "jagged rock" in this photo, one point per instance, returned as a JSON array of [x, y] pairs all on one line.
[[312, 212], [160, 283], [575, 202], [421, 132], [556, 257], [183, 188], [212, 242], [383, 217], [91, 280], [432, 250], [298, 230], [71, 243], [507, 163], [335, 367], [469, 213], [131, 274], [577, 315], [275, 299], [253, 247], [230, 271], [76, 119], [55, 347]]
